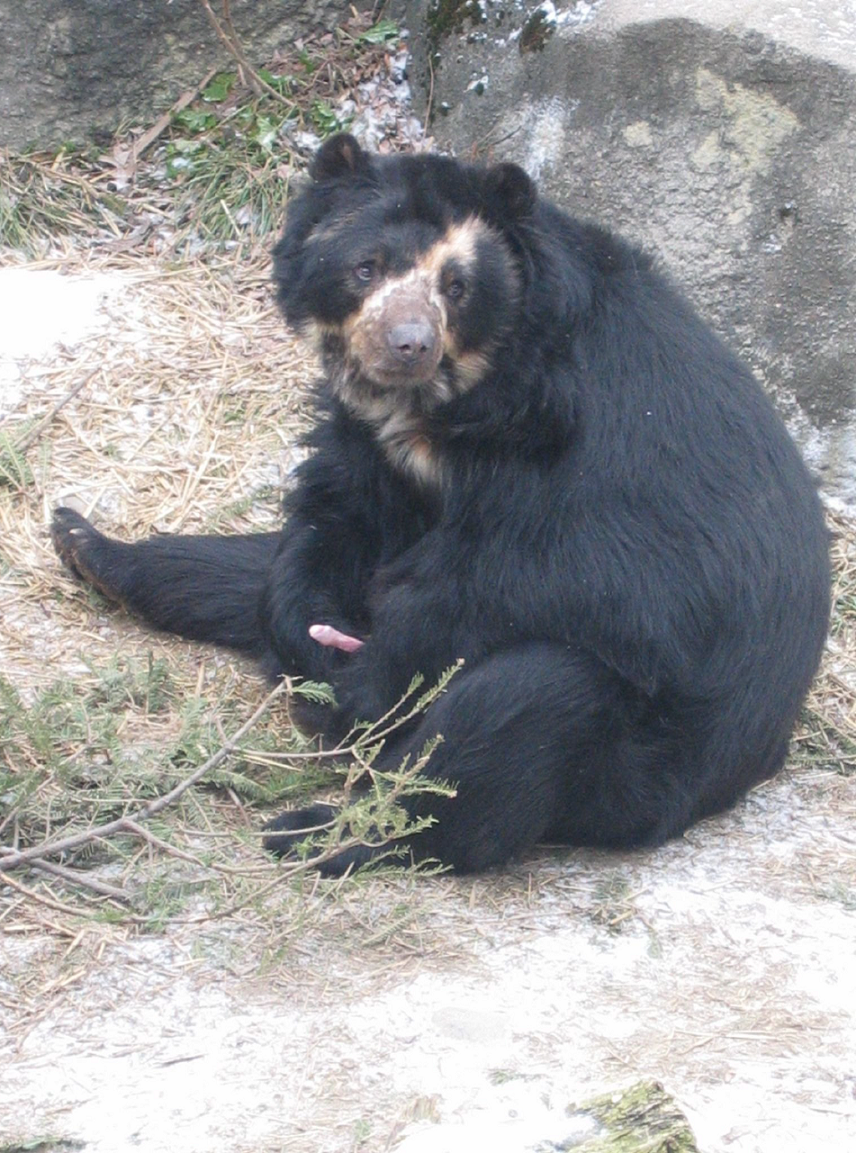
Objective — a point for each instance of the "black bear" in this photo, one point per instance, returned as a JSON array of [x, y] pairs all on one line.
[[529, 454]]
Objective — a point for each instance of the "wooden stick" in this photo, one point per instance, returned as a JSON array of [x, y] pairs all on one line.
[[148, 138], [41, 425], [77, 877], [226, 34]]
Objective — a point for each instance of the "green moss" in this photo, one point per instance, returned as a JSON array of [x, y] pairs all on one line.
[[641, 1119], [448, 16]]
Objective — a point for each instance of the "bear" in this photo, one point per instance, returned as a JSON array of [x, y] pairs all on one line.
[[529, 455]]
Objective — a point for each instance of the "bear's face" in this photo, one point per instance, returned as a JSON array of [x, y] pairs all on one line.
[[400, 270], [408, 315]]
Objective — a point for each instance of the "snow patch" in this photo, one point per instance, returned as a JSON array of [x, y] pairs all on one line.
[[44, 311]]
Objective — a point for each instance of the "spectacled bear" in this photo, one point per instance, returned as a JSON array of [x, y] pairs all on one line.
[[530, 454]]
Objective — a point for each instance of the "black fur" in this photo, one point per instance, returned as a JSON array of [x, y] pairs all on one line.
[[622, 541]]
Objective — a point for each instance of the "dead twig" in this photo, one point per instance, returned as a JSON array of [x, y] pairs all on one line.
[[76, 877], [148, 138], [227, 35], [429, 105], [35, 432], [58, 906]]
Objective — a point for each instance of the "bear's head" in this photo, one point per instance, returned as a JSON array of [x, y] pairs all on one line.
[[406, 271]]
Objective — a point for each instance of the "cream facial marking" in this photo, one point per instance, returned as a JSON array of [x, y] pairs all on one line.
[[470, 366], [459, 243], [401, 330]]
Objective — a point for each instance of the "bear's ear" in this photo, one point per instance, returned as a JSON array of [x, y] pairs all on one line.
[[337, 157], [509, 192]]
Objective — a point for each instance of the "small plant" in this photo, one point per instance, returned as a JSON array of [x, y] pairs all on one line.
[[384, 32], [613, 902], [15, 472], [75, 791]]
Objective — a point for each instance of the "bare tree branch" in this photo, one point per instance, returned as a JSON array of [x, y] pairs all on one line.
[[226, 33]]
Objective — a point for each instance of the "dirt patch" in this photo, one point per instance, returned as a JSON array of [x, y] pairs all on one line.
[[722, 965]]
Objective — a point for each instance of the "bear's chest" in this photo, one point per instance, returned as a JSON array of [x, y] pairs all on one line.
[[407, 446]]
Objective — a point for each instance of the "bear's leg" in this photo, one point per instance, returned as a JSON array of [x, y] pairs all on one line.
[[205, 588], [540, 743]]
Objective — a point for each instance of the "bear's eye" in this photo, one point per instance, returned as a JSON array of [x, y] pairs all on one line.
[[365, 271], [455, 289]]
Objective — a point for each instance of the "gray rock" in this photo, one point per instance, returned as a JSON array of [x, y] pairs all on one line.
[[720, 135], [75, 69]]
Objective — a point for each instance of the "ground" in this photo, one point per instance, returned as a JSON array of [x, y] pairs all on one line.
[[292, 1014], [716, 965]]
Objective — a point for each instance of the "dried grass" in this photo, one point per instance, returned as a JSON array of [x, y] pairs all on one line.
[[827, 737], [190, 423], [180, 411], [44, 198]]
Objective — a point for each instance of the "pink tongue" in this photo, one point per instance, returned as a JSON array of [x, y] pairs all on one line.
[[332, 638]]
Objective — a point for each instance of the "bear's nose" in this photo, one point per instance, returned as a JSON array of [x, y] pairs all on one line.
[[413, 342]]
